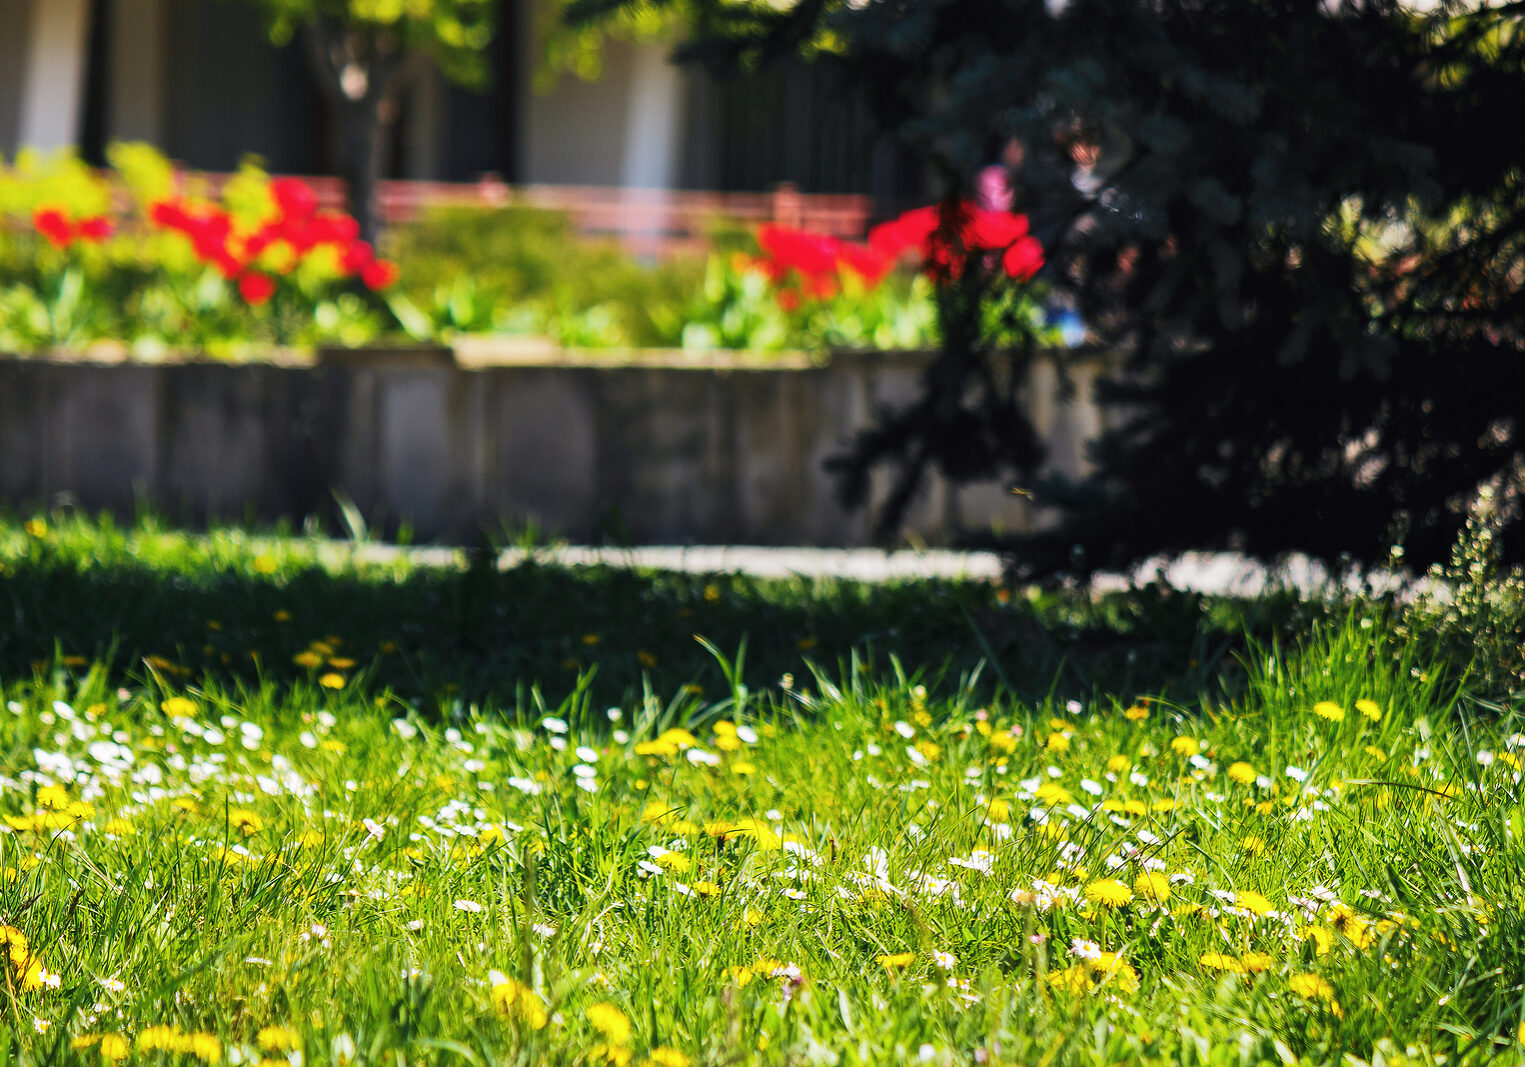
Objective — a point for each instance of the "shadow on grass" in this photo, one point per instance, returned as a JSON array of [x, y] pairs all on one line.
[[439, 637]]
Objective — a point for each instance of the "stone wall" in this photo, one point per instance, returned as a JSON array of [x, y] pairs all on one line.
[[663, 449]]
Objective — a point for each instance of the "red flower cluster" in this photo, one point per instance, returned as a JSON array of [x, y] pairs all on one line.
[[297, 222], [61, 231], [970, 230], [814, 261], [809, 264]]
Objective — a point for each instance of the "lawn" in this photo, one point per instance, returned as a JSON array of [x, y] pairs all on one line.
[[266, 804]]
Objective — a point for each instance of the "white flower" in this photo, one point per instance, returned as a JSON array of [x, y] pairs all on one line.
[[698, 756], [405, 729], [1297, 774], [582, 770], [945, 960], [905, 730], [554, 725], [586, 754], [1086, 950], [746, 734], [468, 905]]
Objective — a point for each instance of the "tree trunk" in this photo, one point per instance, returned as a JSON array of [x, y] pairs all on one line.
[[362, 72], [367, 135]]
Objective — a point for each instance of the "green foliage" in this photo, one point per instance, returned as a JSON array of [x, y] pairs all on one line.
[[1473, 609], [521, 270], [454, 33]]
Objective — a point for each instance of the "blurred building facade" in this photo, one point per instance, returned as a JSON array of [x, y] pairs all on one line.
[[199, 79]]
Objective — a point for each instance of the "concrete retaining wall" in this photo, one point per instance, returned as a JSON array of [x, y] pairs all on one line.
[[668, 450]]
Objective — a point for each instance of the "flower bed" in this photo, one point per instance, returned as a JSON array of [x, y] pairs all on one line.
[[144, 260]]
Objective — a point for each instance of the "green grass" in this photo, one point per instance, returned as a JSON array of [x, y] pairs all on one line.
[[893, 855]]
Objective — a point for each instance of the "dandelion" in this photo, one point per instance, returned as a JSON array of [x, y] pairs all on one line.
[[1329, 710], [1369, 710], [1311, 987], [1108, 892], [1221, 961], [332, 680], [1152, 886], [517, 1000], [609, 1021], [662, 1056], [897, 961], [277, 1038], [1185, 746], [178, 707], [1241, 772], [1137, 713], [1253, 902]]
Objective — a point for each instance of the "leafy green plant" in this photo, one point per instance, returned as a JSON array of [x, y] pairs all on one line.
[[1473, 609]]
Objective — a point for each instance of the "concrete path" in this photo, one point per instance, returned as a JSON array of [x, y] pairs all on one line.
[[1217, 573]]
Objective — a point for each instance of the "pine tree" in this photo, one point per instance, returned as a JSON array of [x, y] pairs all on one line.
[[1295, 223]]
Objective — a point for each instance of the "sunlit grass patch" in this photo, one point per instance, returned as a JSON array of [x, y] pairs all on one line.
[[846, 866]]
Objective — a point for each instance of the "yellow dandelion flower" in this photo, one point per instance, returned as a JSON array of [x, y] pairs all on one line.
[[1114, 973], [1074, 979], [1369, 710], [15, 944], [205, 1047], [332, 680], [1256, 962], [1055, 794], [897, 961], [1252, 845], [1120, 764], [609, 1021], [1253, 902], [1328, 709], [1108, 892], [1241, 772], [517, 1000], [1185, 746], [1057, 742], [998, 811], [277, 1038], [1152, 886], [1322, 938], [1221, 961], [1311, 987], [662, 1056], [608, 1052], [161, 1039], [308, 660], [245, 821], [1137, 713]]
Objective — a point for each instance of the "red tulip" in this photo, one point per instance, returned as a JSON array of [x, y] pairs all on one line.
[[96, 228], [256, 288], [378, 274], [55, 226]]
